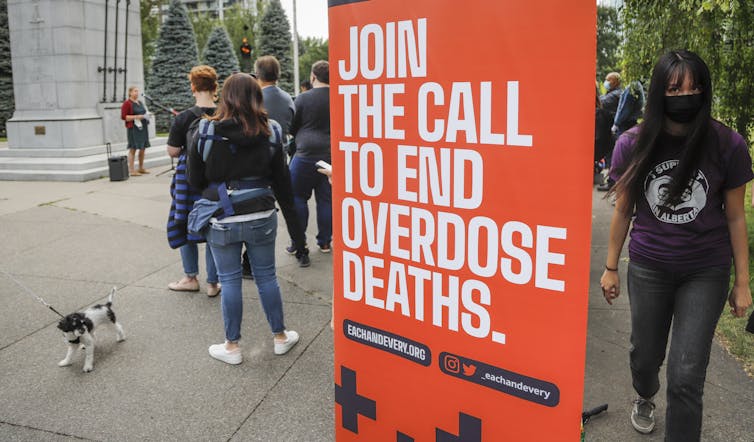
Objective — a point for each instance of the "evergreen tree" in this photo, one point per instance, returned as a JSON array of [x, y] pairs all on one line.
[[608, 41], [6, 74], [174, 57], [314, 49], [220, 54], [275, 39]]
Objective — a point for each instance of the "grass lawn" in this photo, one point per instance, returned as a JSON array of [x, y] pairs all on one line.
[[731, 330]]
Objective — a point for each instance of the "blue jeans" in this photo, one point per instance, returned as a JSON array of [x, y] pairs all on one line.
[[226, 241], [305, 179], [190, 260], [692, 302]]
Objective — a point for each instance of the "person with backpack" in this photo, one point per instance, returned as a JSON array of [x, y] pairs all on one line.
[[204, 87], [236, 157]]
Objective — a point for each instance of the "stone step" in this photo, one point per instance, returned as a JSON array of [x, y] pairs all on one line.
[[5, 152], [78, 168]]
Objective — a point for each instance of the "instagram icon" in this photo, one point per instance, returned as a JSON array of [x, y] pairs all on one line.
[[452, 364]]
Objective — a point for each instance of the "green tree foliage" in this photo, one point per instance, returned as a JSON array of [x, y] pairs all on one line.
[[150, 27], [608, 41], [220, 54], [720, 31], [175, 55], [7, 102], [238, 23], [203, 24], [735, 83], [314, 49], [275, 39]]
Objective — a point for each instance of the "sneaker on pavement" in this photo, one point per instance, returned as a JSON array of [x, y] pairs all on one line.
[[303, 260], [291, 339], [184, 286], [213, 289], [324, 248], [643, 415], [291, 249], [219, 352]]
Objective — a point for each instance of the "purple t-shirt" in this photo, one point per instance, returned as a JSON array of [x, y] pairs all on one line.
[[694, 233]]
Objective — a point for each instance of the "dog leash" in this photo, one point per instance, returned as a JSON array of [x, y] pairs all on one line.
[[38, 298]]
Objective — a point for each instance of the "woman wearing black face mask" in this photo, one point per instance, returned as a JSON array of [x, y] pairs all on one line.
[[681, 176]]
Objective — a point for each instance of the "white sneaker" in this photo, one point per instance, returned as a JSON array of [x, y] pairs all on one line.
[[643, 415], [219, 352], [282, 347]]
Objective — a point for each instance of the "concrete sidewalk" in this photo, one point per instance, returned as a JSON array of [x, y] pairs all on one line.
[[71, 242]]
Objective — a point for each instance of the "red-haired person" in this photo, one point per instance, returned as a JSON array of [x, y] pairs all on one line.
[[203, 86]]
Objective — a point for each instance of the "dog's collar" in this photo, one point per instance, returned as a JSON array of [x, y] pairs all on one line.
[[75, 341]]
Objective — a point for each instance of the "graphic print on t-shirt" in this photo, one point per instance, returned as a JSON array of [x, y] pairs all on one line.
[[656, 190]]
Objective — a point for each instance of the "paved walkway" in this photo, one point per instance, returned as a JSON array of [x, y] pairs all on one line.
[[71, 242]]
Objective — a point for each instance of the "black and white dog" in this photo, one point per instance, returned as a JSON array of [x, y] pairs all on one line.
[[78, 329]]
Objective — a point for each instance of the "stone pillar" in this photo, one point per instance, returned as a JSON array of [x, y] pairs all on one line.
[[64, 100]]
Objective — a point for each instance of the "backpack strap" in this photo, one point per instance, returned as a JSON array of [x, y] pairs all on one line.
[[276, 135], [227, 205], [206, 136]]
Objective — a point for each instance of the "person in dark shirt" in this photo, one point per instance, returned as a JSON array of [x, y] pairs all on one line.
[[609, 103], [680, 184], [311, 129], [249, 166], [613, 91], [277, 102], [203, 86], [279, 107]]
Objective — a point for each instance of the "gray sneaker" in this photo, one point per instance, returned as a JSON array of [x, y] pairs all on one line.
[[643, 415]]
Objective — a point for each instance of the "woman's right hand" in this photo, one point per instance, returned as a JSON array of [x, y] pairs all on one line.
[[610, 283]]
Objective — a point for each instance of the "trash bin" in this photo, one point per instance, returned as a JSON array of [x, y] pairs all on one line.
[[118, 165]]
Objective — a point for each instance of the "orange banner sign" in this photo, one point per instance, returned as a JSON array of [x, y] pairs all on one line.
[[462, 143]]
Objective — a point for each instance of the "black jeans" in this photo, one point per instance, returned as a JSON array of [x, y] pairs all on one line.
[[692, 302]]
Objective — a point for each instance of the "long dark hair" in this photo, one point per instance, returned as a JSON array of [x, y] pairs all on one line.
[[671, 68], [241, 101]]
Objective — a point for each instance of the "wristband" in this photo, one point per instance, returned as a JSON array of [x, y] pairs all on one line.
[[609, 269]]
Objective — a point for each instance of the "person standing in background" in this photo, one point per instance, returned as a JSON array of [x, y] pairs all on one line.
[[610, 102], [311, 129], [204, 87], [280, 108], [630, 107], [613, 91], [241, 174], [134, 113]]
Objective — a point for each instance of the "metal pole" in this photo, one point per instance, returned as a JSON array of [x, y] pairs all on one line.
[[295, 52], [115, 57], [103, 68], [220, 9], [125, 53]]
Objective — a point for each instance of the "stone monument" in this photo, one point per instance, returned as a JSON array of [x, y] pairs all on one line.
[[73, 61]]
